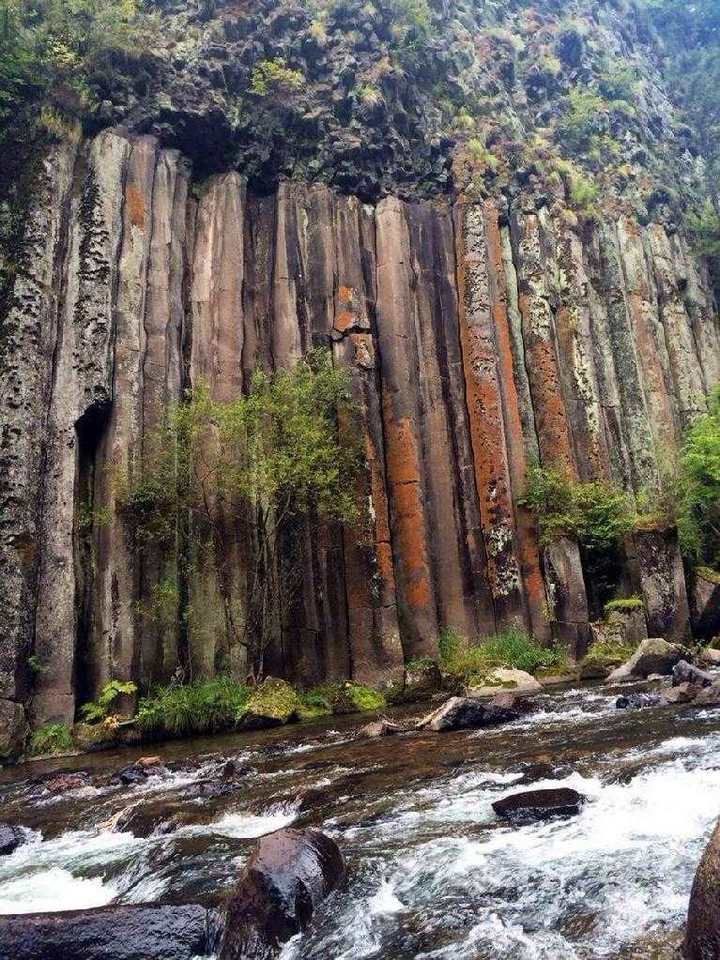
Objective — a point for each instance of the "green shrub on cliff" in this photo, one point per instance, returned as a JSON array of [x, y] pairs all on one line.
[[99, 710], [282, 454], [699, 488], [274, 76], [594, 513]]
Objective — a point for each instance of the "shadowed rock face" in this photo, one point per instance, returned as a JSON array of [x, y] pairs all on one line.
[[287, 876], [477, 338], [702, 940], [533, 805]]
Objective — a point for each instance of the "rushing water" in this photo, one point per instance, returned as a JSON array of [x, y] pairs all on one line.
[[433, 873]]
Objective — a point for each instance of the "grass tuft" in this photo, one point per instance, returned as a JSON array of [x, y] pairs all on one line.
[[52, 738]]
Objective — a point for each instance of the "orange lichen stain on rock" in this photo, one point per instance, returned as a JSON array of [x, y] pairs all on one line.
[[135, 206], [346, 294], [404, 481], [343, 321]]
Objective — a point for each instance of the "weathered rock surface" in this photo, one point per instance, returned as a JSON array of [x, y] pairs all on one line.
[[638, 701], [654, 655], [110, 933], [379, 728], [702, 940], [465, 713], [286, 878], [534, 805], [476, 339], [684, 672]]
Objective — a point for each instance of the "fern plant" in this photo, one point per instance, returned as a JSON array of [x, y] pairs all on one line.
[[98, 710]]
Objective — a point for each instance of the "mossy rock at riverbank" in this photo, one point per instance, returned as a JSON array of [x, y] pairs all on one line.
[[271, 704], [351, 697]]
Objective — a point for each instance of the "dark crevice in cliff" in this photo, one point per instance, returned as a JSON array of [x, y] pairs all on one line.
[[90, 431]]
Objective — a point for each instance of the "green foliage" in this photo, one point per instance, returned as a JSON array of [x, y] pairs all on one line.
[[99, 710], [287, 448], [623, 605], [699, 488], [206, 706], [703, 225], [609, 652], [411, 19], [313, 705], [596, 514], [275, 77], [35, 664], [273, 699], [512, 648], [583, 121], [365, 698], [51, 738]]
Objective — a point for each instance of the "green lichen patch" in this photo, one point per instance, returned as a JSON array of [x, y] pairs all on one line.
[[275, 701], [623, 605]]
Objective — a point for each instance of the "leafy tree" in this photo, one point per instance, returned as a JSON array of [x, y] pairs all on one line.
[[263, 460], [699, 488]]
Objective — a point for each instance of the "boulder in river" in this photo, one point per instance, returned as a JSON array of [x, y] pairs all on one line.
[[512, 681], [708, 696], [652, 656], [467, 713], [111, 933], [682, 693], [533, 805], [685, 672], [10, 839], [379, 728], [638, 701], [702, 940], [288, 874]]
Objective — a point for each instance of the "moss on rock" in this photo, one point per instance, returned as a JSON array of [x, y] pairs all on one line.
[[272, 703]]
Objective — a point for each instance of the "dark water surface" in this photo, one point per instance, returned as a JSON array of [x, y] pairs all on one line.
[[433, 874]]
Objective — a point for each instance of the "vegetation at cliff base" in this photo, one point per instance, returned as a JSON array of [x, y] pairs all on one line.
[[98, 710], [51, 738], [512, 648], [699, 488]]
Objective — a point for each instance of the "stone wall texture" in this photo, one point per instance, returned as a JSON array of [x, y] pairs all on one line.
[[478, 339]]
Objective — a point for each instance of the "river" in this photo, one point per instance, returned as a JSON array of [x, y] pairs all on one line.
[[433, 874]]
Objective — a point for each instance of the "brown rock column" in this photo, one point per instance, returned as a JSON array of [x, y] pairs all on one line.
[[375, 649], [512, 378], [217, 574], [406, 489], [694, 283], [658, 566], [479, 313], [29, 338], [81, 397]]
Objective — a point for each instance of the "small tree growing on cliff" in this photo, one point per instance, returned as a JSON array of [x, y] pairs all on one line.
[[258, 461]]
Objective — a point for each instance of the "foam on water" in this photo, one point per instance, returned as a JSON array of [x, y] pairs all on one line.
[[250, 825], [53, 890]]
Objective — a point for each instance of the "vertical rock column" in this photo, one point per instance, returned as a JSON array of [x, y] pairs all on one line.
[[80, 399], [375, 650], [417, 611], [114, 641], [217, 591], [29, 337], [160, 576], [480, 347], [534, 249]]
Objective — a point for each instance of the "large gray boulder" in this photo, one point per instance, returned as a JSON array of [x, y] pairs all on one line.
[[685, 672], [654, 655], [467, 713], [288, 875], [702, 940]]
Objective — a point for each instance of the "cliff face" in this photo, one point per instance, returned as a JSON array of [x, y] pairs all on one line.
[[480, 338]]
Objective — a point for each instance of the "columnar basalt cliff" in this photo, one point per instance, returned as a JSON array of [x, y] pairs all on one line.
[[479, 339]]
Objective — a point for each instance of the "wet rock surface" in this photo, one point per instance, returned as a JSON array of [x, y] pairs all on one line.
[[653, 656], [702, 941], [466, 713], [532, 805], [10, 839], [285, 880]]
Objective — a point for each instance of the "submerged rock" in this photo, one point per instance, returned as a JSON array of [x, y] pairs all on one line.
[[111, 933], [287, 876], [638, 701], [702, 941], [10, 839], [652, 656], [533, 805], [467, 713]]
